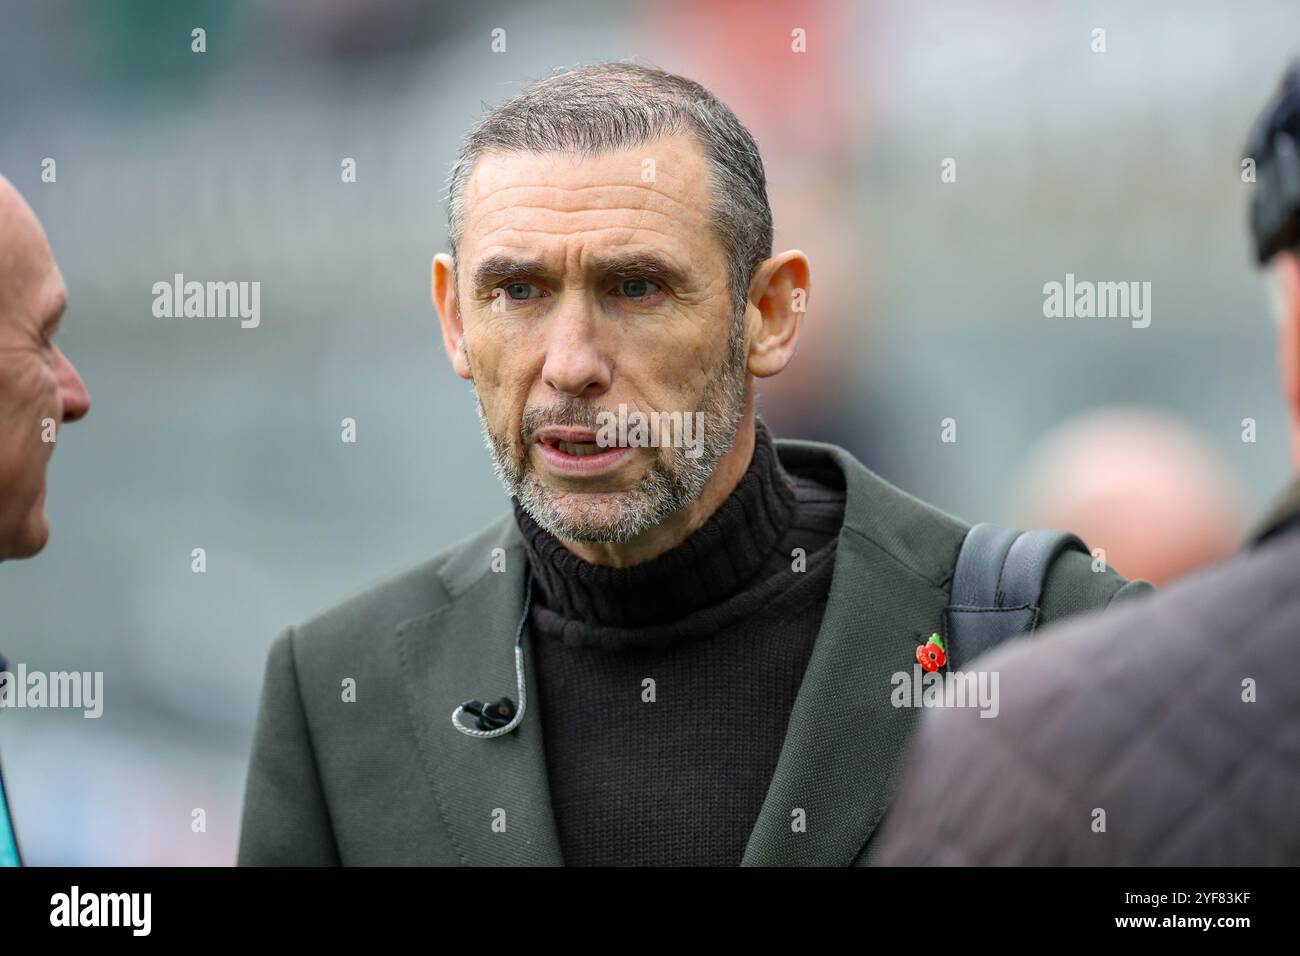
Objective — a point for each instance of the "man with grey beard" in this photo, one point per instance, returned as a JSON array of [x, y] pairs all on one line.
[[662, 489], [685, 652]]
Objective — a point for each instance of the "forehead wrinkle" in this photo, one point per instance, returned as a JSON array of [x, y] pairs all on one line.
[[544, 221], [511, 229], [599, 187], [666, 208]]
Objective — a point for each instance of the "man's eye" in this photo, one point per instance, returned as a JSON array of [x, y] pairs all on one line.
[[637, 288], [518, 291]]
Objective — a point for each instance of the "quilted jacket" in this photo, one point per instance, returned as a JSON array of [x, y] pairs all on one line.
[[1166, 732]]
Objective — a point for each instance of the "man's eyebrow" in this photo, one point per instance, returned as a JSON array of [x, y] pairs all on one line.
[[496, 268], [647, 265]]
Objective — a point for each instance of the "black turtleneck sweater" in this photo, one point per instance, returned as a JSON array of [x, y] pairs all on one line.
[[674, 772]]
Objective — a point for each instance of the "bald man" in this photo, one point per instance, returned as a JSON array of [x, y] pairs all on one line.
[[39, 388], [39, 391]]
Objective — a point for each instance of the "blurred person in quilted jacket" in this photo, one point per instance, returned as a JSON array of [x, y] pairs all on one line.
[[1163, 733]]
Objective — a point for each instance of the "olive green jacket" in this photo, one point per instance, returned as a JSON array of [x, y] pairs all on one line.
[[385, 778]]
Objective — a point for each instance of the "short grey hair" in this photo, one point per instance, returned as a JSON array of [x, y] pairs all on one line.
[[617, 105]]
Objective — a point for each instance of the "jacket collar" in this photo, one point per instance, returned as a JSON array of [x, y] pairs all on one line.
[[837, 768]]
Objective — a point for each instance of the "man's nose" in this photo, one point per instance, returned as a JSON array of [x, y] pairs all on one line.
[[76, 400], [575, 364]]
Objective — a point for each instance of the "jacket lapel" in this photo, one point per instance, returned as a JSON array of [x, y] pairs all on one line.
[[465, 649], [840, 757]]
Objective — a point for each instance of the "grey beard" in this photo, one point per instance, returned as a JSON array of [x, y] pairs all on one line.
[[662, 490]]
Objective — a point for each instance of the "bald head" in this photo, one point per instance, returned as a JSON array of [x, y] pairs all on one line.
[[1137, 483], [31, 280], [39, 388]]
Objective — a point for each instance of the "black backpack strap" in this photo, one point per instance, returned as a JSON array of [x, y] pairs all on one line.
[[997, 585]]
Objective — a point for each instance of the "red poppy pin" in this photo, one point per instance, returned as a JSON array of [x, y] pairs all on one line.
[[931, 655]]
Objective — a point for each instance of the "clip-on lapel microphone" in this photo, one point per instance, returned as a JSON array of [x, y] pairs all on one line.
[[500, 717]]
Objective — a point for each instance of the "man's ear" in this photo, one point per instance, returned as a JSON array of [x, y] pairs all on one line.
[[453, 325], [778, 299]]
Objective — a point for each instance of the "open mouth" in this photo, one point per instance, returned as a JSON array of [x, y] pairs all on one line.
[[575, 451], [579, 449]]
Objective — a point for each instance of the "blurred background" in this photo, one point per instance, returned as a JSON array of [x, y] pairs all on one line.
[[926, 305]]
